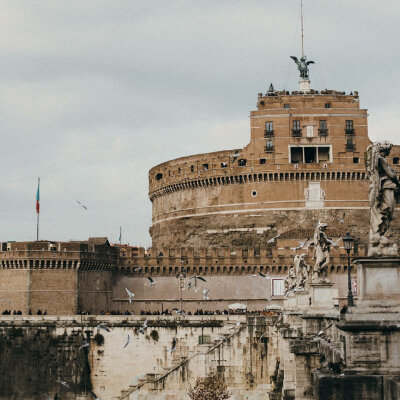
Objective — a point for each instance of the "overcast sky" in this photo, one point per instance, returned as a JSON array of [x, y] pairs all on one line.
[[95, 93]]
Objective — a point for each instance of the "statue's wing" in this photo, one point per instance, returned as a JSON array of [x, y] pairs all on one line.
[[296, 60], [310, 62]]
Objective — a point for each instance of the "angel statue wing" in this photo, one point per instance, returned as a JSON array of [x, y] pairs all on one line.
[[371, 165], [295, 59], [310, 62]]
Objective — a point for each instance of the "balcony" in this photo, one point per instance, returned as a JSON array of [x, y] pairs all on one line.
[[350, 132], [350, 147], [268, 133], [296, 132], [269, 148], [323, 132]]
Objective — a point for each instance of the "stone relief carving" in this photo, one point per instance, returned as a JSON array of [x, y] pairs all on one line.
[[321, 254], [383, 196]]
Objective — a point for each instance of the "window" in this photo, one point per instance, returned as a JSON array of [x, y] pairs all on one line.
[[269, 146], [224, 165], [254, 193], [296, 155], [205, 167], [296, 131], [263, 160], [204, 339], [159, 176], [269, 128], [328, 105], [350, 145], [277, 287], [356, 160], [192, 168], [349, 127], [286, 105], [179, 170], [396, 160], [323, 128], [310, 155], [242, 162]]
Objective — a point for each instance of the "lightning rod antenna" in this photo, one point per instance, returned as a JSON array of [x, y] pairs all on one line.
[[302, 31]]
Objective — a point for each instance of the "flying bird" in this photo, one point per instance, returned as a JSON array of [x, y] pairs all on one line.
[[335, 244], [143, 327], [195, 277], [94, 395], [263, 335], [81, 205], [63, 383], [130, 294], [127, 342], [180, 312], [104, 327], [152, 281], [264, 275], [190, 285], [173, 348], [301, 244], [272, 240], [341, 220], [221, 337], [323, 330], [138, 269], [205, 294], [85, 343]]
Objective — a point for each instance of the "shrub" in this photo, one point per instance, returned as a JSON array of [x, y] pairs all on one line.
[[211, 387]]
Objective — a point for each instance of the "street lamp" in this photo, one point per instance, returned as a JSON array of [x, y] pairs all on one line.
[[348, 245]]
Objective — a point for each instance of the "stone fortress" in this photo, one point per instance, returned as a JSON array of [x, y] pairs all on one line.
[[246, 221]]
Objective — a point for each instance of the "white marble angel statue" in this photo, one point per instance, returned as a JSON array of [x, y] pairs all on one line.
[[383, 196], [302, 270], [322, 246]]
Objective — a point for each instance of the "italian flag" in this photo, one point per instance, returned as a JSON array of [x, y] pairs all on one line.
[[38, 198]]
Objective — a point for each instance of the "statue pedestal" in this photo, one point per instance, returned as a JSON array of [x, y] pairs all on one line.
[[303, 299], [304, 85], [290, 301], [378, 281], [371, 329], [322, 295]]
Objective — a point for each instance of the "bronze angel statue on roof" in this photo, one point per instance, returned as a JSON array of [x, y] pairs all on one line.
[[384, 192], [302, 65]]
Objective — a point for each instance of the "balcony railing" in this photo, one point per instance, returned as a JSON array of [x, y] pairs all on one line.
[[296, 132], [268, 133], [350, 131], [350, 146], [323, 132]]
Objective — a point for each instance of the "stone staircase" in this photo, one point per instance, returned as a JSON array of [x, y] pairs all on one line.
[[153, 380]]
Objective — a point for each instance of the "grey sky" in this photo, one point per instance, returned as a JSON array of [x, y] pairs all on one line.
[[95, 93]]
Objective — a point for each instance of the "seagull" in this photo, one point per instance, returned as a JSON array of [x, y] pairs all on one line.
[[143, 327], [173, 348], [152, 281], [341, 220], [190, 285], [301, 244], [235, 156], [255, 275], [103, 326], [335, 244], [264, 276], [263, 335], [195, 277], [138, 269], [85, 343], [220, 338], [130, 294], [323, 330], [127, 342], [81, 205], [64, 383], [273, 239], [178, 311], [205, 294]]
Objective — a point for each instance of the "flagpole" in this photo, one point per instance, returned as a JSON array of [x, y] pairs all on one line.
[[120, 234], [37, 211]]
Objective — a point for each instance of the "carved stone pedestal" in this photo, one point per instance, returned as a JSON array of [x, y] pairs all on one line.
[[302, 299], [322, 295], [290, 301]]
